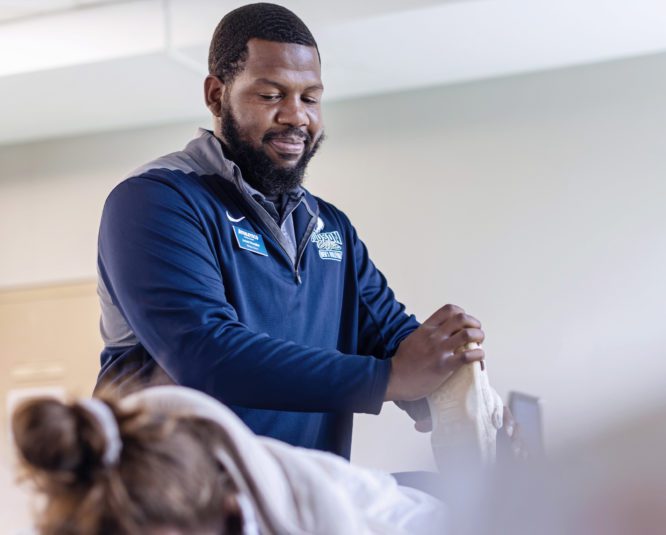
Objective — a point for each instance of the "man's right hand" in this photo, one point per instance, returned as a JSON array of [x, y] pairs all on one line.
[[430, 355]]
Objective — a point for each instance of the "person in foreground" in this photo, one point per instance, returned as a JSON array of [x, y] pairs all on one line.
[[173, 461]]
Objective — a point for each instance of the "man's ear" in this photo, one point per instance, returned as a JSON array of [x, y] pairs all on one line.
[[213, 92]]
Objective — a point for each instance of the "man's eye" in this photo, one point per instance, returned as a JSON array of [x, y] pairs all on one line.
[[310, 100], [270, 97]]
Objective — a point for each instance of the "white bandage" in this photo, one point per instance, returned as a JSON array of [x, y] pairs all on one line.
[[466, 413]]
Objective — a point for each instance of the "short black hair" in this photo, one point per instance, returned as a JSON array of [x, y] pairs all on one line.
[[228, 48]]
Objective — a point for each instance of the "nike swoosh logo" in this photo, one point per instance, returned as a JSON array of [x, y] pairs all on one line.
[[233, 219]]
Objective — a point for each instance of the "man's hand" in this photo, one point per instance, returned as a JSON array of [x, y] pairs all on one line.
[[429, 355]]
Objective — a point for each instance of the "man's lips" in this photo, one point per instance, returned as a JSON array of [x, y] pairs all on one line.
[[287, 145]]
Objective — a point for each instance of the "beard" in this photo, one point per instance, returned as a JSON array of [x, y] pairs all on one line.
[[258, 170]]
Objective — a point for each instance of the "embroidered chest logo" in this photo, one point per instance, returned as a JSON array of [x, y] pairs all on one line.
[[329, 245]]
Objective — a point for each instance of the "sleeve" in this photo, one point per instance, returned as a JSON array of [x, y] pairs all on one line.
[[383, 322], [159, 266]]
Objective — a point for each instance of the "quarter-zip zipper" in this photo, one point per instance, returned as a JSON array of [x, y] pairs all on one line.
[[266, 220], [300, 249]]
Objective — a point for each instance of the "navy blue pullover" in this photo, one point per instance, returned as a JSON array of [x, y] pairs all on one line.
[[293, 348]]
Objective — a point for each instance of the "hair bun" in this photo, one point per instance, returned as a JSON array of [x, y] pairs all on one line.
[[57, 437]]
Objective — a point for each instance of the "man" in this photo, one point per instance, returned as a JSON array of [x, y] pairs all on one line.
[[218, 271]]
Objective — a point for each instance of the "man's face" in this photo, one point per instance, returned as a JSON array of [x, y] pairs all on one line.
[[271, 114]]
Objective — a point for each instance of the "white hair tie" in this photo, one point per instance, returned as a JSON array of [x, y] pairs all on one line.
[[107, 421]]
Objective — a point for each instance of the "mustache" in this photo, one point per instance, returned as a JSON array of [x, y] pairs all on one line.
[[288, 132]]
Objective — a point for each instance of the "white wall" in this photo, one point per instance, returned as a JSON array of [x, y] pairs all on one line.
[[535, 202]]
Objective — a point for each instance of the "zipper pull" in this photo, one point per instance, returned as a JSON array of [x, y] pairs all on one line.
[[298, 277]]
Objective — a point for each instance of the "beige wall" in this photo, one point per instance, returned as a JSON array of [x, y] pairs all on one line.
[[535, 202], [47, 336]]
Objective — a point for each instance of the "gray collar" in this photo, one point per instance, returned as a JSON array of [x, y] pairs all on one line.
[[203, 155], [206, 150], [295, 194]]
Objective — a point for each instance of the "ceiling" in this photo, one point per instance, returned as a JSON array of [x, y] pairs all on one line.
[[80, 66]]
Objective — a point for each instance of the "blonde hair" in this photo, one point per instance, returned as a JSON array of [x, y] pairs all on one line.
[[164, 476]]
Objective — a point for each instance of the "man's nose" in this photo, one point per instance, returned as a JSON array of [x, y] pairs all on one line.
[[293, 112]]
